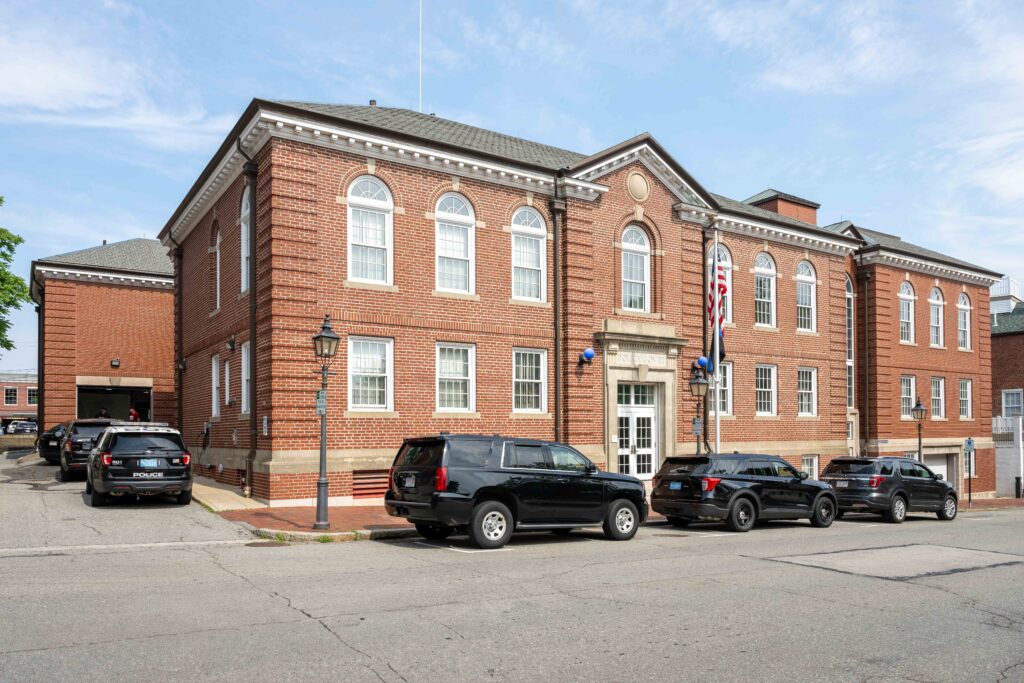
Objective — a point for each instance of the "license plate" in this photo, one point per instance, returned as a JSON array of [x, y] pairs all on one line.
[[148, 462], [53, 443], [675, 485], [842, 484], [409, 481]]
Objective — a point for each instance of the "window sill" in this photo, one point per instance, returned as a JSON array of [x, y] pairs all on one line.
[[938, 419], [766, 417], [242, 417], [529, 416], [967, 419], [962, 350], [906, 343], [214, 419], [244, 294], [639, 314], [723, 416], [938, 348], [370, 414], [371, 286], [454, 415], [214, 312], [765, 328], [808, 333], [530, 302], [455, 295]]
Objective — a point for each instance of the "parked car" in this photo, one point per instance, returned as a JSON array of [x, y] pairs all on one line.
[[492, 485], [139, 459], [890, 486], [79, 438], [739, 489], [48, 443], [26, 427]]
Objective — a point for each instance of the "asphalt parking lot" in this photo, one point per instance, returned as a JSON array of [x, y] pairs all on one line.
[[142, 590]]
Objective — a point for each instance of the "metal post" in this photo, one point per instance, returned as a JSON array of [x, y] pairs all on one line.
[[920, 454], [321, 483], [700, 426]]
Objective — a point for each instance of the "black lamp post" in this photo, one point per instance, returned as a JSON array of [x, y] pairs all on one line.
[[919, 411], [325, 346], [698, 389]]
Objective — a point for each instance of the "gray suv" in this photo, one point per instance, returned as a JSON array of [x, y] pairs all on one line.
[[889, 486]]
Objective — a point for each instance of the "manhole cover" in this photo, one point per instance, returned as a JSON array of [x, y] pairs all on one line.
[[905, 562]]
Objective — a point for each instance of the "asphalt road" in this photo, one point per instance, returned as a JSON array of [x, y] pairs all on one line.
[[149, 591]]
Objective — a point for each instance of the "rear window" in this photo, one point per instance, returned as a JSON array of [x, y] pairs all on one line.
[[723, 466], [420, 454], [128, 443], [682, 465], [855, 467], [92, 431], [468, 452]]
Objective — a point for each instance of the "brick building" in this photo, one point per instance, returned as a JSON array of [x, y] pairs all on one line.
[[467, 270], [1008, 359], [20, 397], [106, 332]]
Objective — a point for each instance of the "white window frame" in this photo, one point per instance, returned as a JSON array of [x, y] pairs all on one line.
[[725, 260], [543, 379], [906, 294], [227, 382], [908, 414], [941, 398], [967, 400], [246, 383], [1019, 393], [774, 376], [538, 233], [936, 309], [725, 386], [472, 377], [963, 322], [771, 274], [468, 222], [215, 386], [385, 207], [216, 267], [644, 251], [16, 398], [851, 389], [243, 244], [810, 281], [814, 392], [389, 374], [28, 396], [813, 472]]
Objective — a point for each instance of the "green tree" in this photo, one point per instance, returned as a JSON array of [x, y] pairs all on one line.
[[13, 290]]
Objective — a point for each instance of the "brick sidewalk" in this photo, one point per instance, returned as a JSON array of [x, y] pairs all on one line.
[[992, 503], [342, 518]]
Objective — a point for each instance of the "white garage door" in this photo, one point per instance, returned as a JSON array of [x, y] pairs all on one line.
[[937, 464]]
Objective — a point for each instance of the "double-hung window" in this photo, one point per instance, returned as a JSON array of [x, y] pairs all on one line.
[[764, 389], [935, 328], [10, 396], [370, 373], [1013, 402], [963, 322], [908, 388], [636, 270], [806, 297], [33, 396], [807, 392], [243, 234], [966, 399], [764, 290], [227, 382], [809, 464], [456, 377], [529, 379], [938, 398], [906, 299], [455, 245], [246, 379], [215, 386], [529, 237], [370, 232], [724, 402], [216, 271]]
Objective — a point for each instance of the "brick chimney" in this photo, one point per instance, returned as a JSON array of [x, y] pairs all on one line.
[[786, 204]]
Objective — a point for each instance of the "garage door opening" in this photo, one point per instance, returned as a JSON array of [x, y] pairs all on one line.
[[117, 402]]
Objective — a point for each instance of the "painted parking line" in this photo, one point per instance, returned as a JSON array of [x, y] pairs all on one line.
[[462, 550], [840, 521], [52, 549]]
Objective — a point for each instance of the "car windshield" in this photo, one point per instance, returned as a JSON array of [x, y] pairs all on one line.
[[130, 443], [850, 467], [92, 431], [420, 454]]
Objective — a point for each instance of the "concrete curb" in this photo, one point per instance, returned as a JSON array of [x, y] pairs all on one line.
[[329, 536], [27, 459]]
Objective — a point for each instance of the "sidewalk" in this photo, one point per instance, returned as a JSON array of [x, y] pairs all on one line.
[[983, 504], [348, 523]]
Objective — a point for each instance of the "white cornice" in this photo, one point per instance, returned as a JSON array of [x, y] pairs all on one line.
[[905, 262], [775, 233], [105, 277], [654, 163]]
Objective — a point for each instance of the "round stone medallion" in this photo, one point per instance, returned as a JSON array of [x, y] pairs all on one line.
[[638, 187]]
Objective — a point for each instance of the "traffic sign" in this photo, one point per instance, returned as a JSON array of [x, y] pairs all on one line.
[[321, 402]]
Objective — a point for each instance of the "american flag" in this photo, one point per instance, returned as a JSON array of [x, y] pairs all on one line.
[[717, 280]]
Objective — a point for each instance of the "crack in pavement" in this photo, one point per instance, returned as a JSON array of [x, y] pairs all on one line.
[[1003, 675]]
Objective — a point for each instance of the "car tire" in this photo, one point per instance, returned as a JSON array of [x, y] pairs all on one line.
[[491, 525], [63, 474], [678, 521], [622, 521], [742, 515], [897, 510], [949, 509], [88, 484], [824, 512], [562, 532], [433, 532], [184, 498], [97, 499]]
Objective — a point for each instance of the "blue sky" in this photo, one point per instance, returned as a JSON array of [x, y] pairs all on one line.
[[903, 117]]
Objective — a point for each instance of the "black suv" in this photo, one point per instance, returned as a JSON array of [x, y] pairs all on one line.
[[890, 486], [492, 485], [139, 459], [48, 443], [79, 438], [739, 489]]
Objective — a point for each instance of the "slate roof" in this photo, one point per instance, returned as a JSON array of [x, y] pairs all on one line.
[[894, 243], [744, 209], [1009, 323], [765, 195], [132, 256]]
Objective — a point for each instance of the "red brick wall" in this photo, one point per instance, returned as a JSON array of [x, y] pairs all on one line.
[[22, 406], [1007, 367], [791, 209]]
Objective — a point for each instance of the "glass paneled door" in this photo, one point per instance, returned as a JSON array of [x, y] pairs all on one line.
[[638, 430]]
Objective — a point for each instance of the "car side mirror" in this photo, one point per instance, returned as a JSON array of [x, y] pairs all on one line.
[[591, 468], [938, 477], [803, 475]]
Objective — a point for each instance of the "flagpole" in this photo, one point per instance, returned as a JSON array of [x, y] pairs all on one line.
[[715, 353]]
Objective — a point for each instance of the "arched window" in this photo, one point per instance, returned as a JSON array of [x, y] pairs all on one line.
[[963, 322], [529, 262], [907, 298], [725, 263], [456, 245], [243, 233], [636, 270], [935, 305], [216, 270], [806, 297], [849, 343], [370, 232], [764, 290]]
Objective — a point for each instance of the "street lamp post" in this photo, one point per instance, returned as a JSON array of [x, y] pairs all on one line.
[[325, 346], [918, 411], [698, 389]]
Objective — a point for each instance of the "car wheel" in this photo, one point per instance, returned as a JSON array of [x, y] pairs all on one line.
[[824, 512], [491, 525], [97, 499], [88, 484], [948, 511], [622, 521], [678, 521], [897, 510], [184, 498], [63, 474], [742, 515], [562, 532], [435, 532]]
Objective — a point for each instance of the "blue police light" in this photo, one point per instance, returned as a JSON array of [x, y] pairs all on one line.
[[587, 357]]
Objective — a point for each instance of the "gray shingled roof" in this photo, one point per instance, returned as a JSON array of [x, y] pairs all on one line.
[[134, 256], [765, 195], [1009, 323], [893, 242], [744, 209], [437, 129]]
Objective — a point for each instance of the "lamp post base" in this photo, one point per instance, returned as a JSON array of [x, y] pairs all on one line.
[[322, 523]]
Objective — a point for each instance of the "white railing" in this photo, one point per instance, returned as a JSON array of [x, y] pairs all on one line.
[[1008, 427], [1006, 286]]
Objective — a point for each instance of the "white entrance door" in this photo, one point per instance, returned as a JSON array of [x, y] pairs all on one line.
[[638, 430]]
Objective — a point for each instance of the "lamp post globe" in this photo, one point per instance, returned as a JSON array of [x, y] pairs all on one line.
[[325, 346], [325, 342], [919, 411], [698, 385]]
